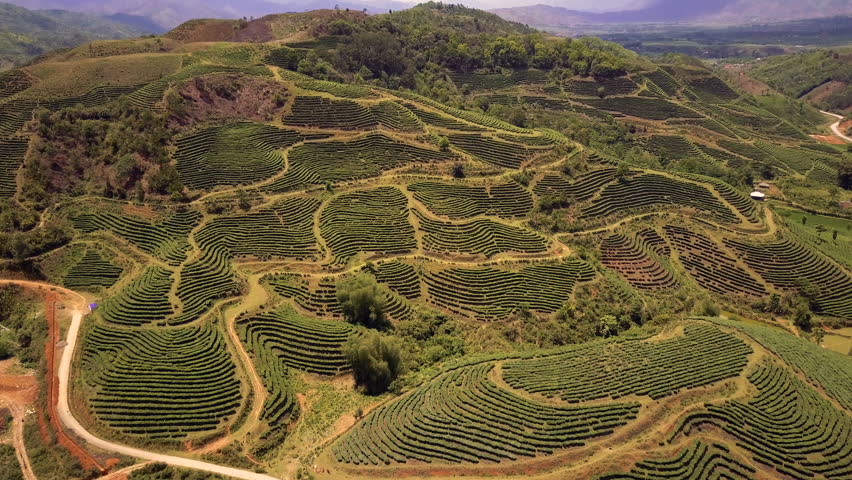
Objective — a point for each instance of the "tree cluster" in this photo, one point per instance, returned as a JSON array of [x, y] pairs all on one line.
[[397, 48], [105, 151]]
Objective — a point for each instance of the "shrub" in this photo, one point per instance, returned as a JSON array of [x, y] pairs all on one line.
[[376, 361]]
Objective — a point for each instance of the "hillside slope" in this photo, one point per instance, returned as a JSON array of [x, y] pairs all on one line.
[[435, 243], [822, 77], [25, 34]]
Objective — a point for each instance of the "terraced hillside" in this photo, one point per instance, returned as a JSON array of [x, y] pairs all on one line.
[[517, 252]]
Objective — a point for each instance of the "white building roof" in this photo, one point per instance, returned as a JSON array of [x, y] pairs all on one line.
[[758, 195]]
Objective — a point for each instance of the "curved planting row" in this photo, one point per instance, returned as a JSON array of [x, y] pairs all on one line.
[[167, 239], [699, 461], [12, 152], [335, 161], [473, 117], [321, 112], [654, 241], [711, 267], [441, 121], [203, 281], [480, 236], [542, 140], [91, 271], [796, 159], [283, 230], [373, 220], [396, 117], [822, 173], [236, 154], [337, 89], [643, 107], [12, 82], [630, 257], [737, 199], [671, 147], [655, 191], [792, 266], [708, 123], [711, 89], [493, 81], [492, 293], [459, 200], [786, 425], [145, 300], [303, 343], [492, 151], [464, 417], [662, 79], [635, 366], [752, 153], [548, 103], [605, 86], [721, 156], [160, 384], [320, 298], [829, 370], [581, 188], [401, 277]]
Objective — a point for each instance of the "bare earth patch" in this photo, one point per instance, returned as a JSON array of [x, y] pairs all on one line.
[[828, 139], [223, 97]]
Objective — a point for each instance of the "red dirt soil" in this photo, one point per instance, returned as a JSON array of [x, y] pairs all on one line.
[[828, 139]]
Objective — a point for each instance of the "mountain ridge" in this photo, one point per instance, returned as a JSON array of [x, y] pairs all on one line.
[[673, 11], [28, 33]]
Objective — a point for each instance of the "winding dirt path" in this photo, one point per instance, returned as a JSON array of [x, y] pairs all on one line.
[[835, 127], [67, 418], [18, 439]]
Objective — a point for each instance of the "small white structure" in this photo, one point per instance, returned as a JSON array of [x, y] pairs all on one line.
[[762, 185], [759, 196]]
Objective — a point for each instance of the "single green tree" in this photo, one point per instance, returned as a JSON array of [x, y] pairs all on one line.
[[376, 360], [362, 301], [458, 170]]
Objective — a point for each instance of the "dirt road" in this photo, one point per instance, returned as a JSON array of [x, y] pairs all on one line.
[[835, 127], [18, 439], [67, 418]]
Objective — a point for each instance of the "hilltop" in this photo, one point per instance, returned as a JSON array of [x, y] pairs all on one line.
[[431, 243]]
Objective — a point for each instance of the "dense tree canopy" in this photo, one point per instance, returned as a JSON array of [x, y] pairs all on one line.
[[376, 360]]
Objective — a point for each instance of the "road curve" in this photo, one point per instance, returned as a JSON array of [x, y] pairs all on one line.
[[835, 127], [71, 423]]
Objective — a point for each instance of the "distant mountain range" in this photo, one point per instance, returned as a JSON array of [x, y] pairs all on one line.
[[25, 33], [682, 11], [167, 14]]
